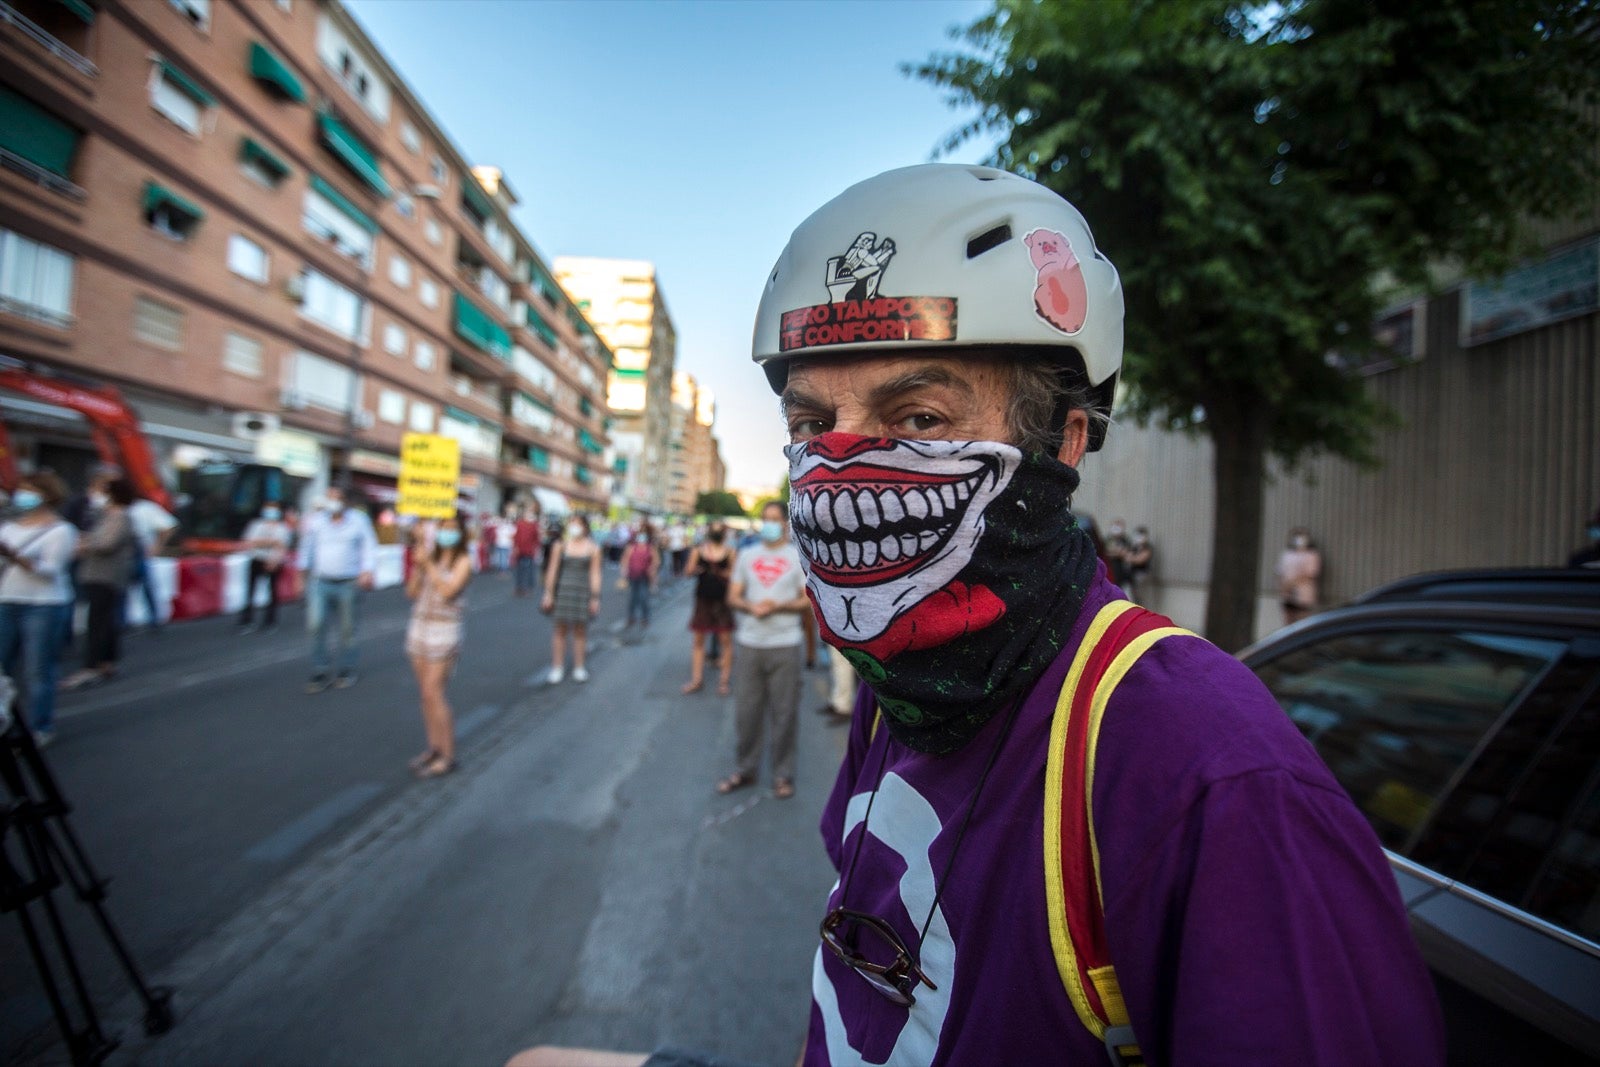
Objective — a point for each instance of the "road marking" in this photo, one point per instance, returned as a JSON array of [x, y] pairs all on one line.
[[474, 719], [729, 815], [283, 844]]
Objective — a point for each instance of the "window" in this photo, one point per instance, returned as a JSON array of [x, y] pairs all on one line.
[[322, 382], [528, 366], [35, 280], [1396, 714], [157, 323], [246, 258], [1500, 828], [400, 271], [286, 6], [260, 165], [423, 355], [428, 292], [433, 231], [394, 339], [339, 224], [170, 214], [196, 11], [410, 138], [175, 95], [354, 69], [391, 406], [495, 288], [330, 304], [405, 206], [241, 355], [421, 417], [441, 175]]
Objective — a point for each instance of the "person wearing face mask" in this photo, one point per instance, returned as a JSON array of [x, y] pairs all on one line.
[[437, 588], [711, 565], [641, 570], [105, 566], [767, 595], [1590, 556], [337, 556], [36, 550], [1117, 548], [572, 598], [1299, 569], [267, 538], [1040, 772]]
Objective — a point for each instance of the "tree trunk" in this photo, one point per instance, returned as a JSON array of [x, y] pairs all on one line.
[[1239, 434]]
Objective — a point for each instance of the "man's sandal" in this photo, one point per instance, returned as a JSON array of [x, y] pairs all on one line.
[[734, 782], [782, 789], [422, 759]]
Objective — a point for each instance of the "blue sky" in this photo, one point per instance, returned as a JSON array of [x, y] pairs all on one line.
[[693, 134]]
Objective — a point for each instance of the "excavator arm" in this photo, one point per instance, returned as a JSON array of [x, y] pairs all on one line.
[[112, 424]]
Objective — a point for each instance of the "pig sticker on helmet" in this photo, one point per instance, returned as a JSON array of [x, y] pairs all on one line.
[[1060, 296]]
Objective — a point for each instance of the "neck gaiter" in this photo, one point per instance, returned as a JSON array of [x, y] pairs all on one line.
[[949, 573]]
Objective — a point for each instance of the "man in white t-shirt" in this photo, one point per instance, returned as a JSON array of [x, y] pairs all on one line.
[[153, 526], [768, 597]]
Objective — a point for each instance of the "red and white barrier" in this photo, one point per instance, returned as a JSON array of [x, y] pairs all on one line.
[[196, 587]]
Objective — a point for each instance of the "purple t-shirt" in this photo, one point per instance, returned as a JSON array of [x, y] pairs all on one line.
[[1250, 912]]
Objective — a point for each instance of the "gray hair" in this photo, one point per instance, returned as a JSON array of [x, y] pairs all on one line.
[[1042, 395]]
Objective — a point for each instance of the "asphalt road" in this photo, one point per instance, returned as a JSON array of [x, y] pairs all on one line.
[[576, 881]]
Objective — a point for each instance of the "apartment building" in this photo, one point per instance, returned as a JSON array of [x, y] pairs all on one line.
[[623, 300], [695, 459], [239, 215]]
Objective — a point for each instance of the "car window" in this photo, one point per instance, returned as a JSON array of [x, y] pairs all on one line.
[[1498, 825], [1397, 713], [1566, 886]]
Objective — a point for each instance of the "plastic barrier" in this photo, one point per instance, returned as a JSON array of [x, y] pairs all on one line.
[[197, 587], [199, 591]]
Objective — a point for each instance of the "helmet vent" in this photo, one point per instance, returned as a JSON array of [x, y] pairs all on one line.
[[989, 239]]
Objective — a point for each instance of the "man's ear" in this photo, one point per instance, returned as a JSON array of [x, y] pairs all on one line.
[[1074, 438]]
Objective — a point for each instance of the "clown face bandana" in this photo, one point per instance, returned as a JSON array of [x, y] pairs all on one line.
[[949, 573]]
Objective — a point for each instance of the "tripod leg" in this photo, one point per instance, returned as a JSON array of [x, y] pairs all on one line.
[[47, 978]]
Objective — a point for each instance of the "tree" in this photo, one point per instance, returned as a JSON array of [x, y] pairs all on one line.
[[717, 502], [1265, 177]]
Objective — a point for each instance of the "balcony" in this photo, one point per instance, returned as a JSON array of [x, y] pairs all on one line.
[[68, 20], [39, 176]]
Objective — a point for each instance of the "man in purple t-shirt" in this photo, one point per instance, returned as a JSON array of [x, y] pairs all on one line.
[[936, 427]]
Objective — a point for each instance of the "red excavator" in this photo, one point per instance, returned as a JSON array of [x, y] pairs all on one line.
[[217, 499]]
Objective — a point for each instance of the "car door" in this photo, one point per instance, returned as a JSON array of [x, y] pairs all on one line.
[[1466, 748]]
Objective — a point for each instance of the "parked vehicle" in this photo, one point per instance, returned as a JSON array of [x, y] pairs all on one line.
[[1461, 711]]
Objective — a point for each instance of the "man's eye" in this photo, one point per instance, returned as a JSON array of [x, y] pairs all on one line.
[[921, 423], [805, 429]]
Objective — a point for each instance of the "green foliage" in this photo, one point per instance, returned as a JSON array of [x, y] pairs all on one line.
[[1252, 169], [717, 502]]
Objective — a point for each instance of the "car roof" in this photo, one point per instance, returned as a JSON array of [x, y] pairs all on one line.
[[1572, 586]]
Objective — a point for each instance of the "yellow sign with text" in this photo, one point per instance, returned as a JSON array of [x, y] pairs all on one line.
[[430, 468]]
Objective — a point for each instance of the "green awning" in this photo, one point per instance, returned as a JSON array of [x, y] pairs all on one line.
[[472, 324], [620, 465], [36, 135], [582, 474], [186, 84], [267, 68], [156, 196], [537, 324], [628, 374], [353, 153], [588, 443], [249, 149], [342, 202], [584, 407], [80, 9], [538, 458], [476, 196]]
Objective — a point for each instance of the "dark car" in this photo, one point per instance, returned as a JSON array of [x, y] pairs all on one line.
[[1461, 711]]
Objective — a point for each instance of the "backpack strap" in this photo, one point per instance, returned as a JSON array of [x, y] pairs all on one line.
[[1119, 634]]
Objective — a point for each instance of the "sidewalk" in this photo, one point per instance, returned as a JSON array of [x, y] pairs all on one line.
[[578, 882]]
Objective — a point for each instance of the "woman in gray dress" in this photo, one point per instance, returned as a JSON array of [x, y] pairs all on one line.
[[572, 597]]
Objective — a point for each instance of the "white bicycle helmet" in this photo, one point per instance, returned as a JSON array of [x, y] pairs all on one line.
[[945, 257]]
